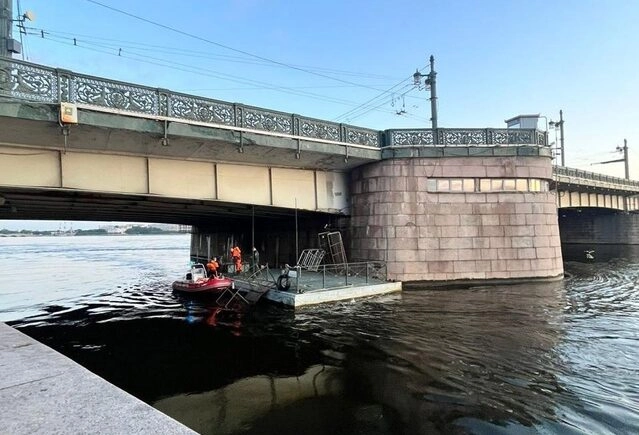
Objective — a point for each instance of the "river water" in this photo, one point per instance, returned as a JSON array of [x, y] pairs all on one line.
[[559, 357]]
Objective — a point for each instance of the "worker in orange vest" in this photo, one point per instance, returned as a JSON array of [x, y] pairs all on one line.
[[212, 266], [236, 254]]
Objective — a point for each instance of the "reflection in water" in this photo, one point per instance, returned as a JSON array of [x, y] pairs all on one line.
[[421, 363], [236, 406], [556, 357]]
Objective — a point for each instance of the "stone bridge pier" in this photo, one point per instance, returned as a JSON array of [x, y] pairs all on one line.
[[458, 218]]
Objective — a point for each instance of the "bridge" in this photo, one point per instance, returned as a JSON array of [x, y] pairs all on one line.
[[413, 198]]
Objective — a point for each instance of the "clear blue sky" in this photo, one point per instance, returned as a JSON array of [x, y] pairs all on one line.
[[494, 59]]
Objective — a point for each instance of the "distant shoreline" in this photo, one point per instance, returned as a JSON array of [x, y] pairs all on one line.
[[129, 230], [39, 234]]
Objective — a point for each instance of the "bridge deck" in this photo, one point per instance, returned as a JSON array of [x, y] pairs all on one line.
[[136, 151]]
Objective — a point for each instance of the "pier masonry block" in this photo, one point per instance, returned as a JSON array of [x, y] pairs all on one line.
[[433, 235]]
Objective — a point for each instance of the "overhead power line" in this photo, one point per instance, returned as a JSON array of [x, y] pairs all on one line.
[[370, 102], [119, 43], [358, 111], [208, 41], [369, 108], [192, 69], [171, 64]]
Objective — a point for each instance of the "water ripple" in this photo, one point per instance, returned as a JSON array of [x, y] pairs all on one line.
[[537, 358]]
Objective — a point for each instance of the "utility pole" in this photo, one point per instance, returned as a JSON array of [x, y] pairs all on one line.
[[6, 7], [561, 132], [625, 158], [433, 92], [623, 149], [560, 124], [430, 82], [626, 167]]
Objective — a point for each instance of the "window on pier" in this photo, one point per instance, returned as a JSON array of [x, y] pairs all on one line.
[[464, 185]]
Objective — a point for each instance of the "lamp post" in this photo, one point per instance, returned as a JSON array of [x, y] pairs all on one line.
[[431, 83], [560, 124]]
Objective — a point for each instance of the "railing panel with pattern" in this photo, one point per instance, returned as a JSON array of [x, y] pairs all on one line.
[[31, 82], [464, 136]]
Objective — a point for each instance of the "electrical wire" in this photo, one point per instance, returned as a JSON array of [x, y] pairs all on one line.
[[374, 104], [197, 70], [257, 88], [351, 114], [246, 53], [21, 31], [200, 71], [118, 43], [370, 101], [369, 108]]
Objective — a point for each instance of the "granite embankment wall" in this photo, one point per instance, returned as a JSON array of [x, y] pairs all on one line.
[[457, 218]]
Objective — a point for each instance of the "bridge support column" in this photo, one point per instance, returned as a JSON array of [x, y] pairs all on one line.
[[457, 218]]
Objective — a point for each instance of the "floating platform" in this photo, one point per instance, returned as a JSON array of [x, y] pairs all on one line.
[[321, 296], [328, 283], [44, 392]]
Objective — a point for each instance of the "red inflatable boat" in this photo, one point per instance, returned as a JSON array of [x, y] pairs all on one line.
[[196, 281]]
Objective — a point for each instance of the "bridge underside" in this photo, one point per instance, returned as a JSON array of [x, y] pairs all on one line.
[[41, 204]]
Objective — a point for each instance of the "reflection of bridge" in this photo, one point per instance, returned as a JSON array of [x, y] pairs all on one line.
[[145, 154]]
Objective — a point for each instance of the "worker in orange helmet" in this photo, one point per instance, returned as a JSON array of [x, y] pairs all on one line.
[[236, 255], [213, 266]]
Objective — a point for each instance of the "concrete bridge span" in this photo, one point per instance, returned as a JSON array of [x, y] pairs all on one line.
[[576, 188], [133, 145], [40, 183]]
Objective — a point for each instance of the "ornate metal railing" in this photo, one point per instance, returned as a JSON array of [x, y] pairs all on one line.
[[465, 136], [32, 82], [578, 173]]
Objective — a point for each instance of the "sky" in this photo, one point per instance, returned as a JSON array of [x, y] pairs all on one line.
[[325, 59]]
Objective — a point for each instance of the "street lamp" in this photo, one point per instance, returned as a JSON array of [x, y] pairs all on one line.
[[560, 124], [431, 84]]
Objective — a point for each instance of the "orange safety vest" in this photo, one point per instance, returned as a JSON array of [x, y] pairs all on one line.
[[212, 265], [235, 252]]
